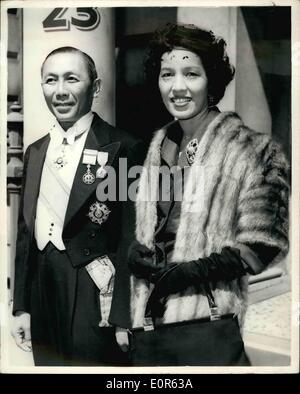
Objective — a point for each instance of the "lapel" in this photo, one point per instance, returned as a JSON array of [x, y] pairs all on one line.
[[99, 139], [33, 178]]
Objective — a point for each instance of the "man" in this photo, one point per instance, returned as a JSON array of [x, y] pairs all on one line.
[[71, 293]]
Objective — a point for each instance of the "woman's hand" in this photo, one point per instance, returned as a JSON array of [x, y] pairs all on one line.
[[225, 266], [141, 261], [171, 279]]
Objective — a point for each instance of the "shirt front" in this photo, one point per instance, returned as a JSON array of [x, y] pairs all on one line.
[[61, 162]]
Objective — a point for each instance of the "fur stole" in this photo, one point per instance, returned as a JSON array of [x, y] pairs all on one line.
[[236, 193]]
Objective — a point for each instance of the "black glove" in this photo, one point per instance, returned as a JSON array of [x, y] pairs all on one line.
[[160, 272], [141, 261], [225, 266]]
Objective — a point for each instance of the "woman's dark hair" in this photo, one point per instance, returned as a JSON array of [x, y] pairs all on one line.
[[210, 49]]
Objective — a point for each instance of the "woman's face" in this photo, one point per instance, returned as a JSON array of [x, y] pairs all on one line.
[[183, 83]]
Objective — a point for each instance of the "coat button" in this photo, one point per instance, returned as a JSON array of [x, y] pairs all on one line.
[[87, 252], [92, 235]]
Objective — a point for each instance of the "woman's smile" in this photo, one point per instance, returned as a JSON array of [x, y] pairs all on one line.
[[181, 101]]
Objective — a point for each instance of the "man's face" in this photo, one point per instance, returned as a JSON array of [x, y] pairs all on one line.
[[67, 87]]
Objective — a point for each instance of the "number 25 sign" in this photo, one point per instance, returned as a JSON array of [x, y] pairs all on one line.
[[85, 19]]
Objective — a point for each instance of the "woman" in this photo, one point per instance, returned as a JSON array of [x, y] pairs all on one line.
[[232, 220]]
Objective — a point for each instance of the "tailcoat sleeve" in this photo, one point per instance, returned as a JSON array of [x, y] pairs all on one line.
[[22, 275]]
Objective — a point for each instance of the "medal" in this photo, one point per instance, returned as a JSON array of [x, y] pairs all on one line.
[[89, 158], [102, 158], [191, 150], [98, 212], [101, 172], [88, 178]]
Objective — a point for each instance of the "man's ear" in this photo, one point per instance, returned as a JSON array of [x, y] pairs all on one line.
[[96, 86]]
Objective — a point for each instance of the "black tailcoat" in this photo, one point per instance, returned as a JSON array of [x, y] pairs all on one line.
[[83, 239]]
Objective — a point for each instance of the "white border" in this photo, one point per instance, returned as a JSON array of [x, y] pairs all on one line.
[[295, 198]]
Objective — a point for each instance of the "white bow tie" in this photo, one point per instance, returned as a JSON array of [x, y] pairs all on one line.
[[70, 137], [71, 134]]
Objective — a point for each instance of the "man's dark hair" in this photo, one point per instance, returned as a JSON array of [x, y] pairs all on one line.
[[210, 49], [88, 60]]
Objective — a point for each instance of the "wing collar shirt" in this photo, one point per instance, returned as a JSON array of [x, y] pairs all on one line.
[[57, 181]]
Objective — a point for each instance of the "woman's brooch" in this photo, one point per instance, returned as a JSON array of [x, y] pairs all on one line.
[[191, 150]]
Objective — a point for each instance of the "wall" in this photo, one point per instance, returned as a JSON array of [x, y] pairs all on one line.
[[223, 22], [269, 32], [97, 41]]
